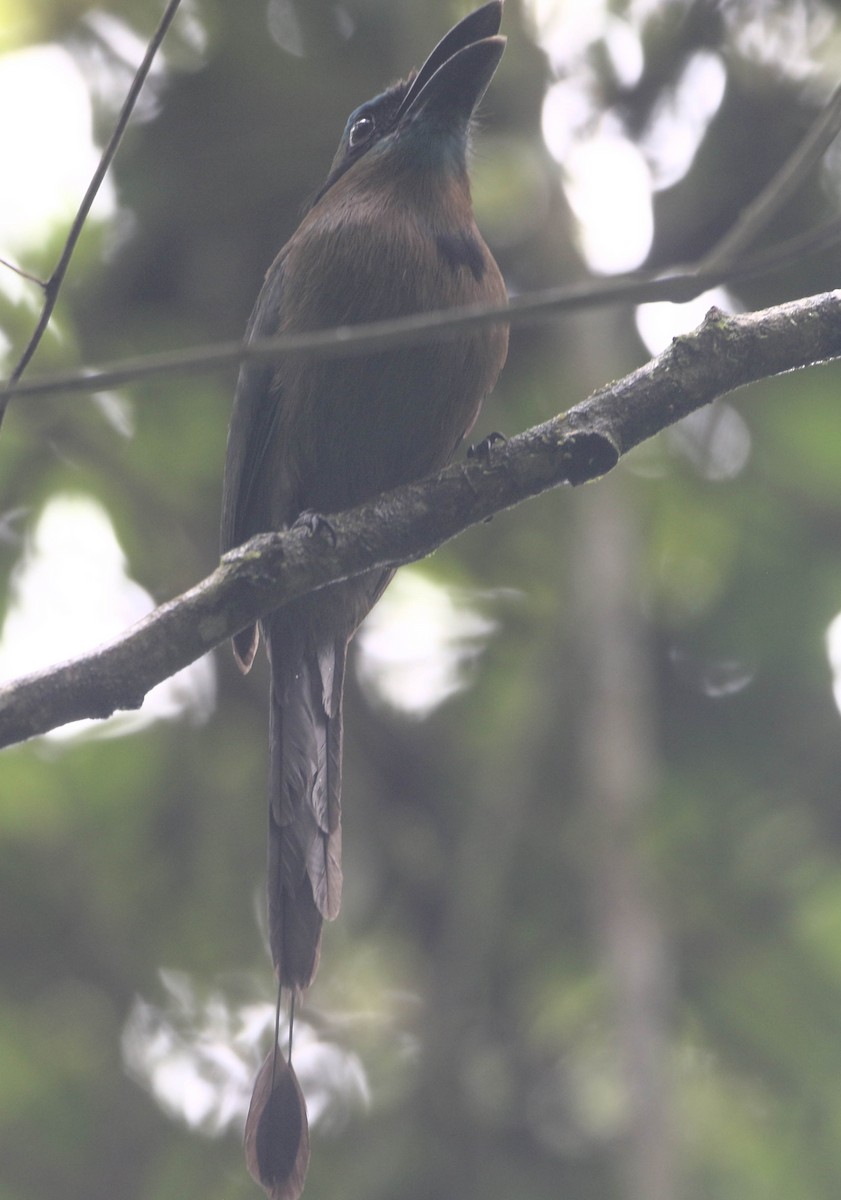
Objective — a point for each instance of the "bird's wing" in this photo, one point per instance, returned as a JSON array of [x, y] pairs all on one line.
[[257, 402], [245, 500]]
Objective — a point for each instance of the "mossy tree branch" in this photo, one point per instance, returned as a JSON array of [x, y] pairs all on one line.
[[723, 354]]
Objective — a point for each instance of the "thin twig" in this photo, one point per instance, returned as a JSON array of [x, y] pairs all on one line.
[[786, 253], [785, 183], [53, 284], [677, 284], [4, 262]]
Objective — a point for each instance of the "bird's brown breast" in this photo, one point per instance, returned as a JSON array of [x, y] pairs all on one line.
[[372, 421]]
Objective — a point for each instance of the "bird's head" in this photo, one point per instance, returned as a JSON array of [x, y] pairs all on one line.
[[425, 119]]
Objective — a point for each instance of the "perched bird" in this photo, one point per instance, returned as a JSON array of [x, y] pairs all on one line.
[[391, 232]]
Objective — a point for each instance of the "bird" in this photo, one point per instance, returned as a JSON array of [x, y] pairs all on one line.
[[390, 233]]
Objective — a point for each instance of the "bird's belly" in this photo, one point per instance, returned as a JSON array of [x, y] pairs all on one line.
[[355, 426], [366, 424]]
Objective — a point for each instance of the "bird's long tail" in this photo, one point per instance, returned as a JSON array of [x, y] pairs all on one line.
[[304, 880], [277, 1142], [304, 852]]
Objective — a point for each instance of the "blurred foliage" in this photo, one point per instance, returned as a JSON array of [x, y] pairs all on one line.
[[475, 970]]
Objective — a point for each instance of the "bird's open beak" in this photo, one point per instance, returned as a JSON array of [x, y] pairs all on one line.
[[454, 78]]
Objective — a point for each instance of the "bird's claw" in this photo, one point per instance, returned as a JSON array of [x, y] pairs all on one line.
[[315, 523], [483, 449]]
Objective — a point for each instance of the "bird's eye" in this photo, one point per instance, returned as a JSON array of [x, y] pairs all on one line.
[[360, 132]]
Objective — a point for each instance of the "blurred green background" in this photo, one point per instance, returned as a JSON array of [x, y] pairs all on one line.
[[591, 937]]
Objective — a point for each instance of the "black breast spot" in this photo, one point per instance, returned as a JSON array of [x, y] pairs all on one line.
[[462, 249]]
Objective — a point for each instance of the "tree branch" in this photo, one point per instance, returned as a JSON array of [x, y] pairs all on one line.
[[724, 353]]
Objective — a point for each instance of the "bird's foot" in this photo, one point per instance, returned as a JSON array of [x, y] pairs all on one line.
[[484, 448], [314, 523]]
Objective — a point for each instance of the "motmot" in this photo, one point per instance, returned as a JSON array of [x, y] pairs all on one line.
[[391, 232]]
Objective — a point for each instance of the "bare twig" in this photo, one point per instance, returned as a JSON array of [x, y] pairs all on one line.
[[677, 284], [4, 262], [53, 285], [787, 181], [722, 354]]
